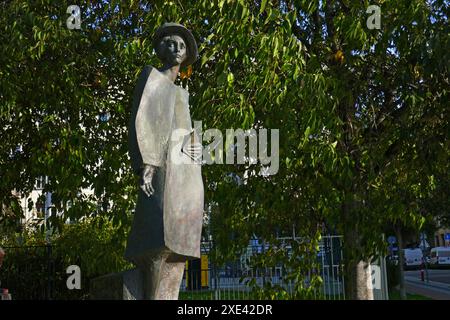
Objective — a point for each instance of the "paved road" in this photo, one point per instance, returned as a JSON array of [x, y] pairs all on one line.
[[438, 275], [437, 288]]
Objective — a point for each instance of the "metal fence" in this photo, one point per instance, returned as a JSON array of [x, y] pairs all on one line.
[[204, 280], [332, 267], [37, 273], [29, 260]]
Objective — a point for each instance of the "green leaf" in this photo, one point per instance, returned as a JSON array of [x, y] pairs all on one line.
[[230, 78], [263, 6]]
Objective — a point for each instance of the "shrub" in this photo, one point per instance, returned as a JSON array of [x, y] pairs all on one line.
[[35, 269]]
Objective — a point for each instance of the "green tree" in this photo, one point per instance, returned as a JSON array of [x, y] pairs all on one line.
[[37, 263], [362, 115]]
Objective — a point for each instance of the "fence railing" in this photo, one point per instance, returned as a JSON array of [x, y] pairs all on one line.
[[202, 278], [28, 260], [37, 273]]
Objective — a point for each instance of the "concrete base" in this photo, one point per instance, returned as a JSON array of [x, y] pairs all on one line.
[[126, 285]]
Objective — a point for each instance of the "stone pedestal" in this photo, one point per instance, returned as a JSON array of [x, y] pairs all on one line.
[[126, 285]]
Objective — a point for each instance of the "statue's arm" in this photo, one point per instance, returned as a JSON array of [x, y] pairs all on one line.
[[133, 147], [145, 171]]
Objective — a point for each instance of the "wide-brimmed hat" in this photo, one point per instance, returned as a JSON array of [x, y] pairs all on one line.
[[171, 28]]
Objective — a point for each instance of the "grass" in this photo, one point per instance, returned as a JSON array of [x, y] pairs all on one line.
[[395, 295], [209, 295]]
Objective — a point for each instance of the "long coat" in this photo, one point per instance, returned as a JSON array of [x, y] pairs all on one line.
[[171, 219]]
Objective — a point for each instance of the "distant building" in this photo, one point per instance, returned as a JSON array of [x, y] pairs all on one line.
[[442, 237], [35, 203]]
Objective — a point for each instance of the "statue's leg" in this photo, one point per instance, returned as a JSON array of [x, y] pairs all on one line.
[[151, 271], [170, 280], [162, 277]]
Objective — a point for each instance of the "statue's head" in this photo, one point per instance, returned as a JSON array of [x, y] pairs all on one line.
[[175, 45]]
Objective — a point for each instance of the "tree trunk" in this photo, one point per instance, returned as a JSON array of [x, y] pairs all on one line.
[[401, 263], [358, 281]]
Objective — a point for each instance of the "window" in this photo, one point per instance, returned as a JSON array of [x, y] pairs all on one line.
[[41, 182]]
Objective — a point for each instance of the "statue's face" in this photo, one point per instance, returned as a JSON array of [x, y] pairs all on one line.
[[172, 50]]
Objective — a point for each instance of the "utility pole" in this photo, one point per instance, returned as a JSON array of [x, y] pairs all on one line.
[[424, 258], [48, 205]]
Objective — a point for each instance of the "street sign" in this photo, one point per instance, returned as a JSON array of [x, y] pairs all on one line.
[[447, 236], [392, 239]]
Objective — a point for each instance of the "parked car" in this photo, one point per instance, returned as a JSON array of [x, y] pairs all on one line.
[[440, 256], [413, 258]]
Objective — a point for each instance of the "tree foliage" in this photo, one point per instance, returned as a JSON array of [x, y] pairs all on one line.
[[36, 262], [363, 114]]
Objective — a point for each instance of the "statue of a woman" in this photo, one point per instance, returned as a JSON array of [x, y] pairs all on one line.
[[167, 225]]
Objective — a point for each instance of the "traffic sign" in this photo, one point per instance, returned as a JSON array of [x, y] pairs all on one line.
[[392, 239]]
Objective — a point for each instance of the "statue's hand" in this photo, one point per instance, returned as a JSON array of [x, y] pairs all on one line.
[[145, 183], [194, 151]]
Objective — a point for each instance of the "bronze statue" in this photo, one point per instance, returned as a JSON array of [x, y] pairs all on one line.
[[167, 224]]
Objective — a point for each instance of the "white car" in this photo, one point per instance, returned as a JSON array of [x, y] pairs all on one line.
[[440, 256], [413, 257]]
